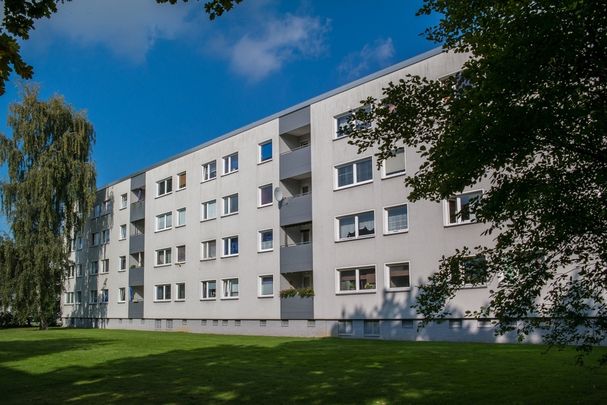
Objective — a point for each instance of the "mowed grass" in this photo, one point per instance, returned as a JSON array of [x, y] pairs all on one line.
[[107, 366]]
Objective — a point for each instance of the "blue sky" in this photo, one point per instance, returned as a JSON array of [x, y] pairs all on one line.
[[158, 79]]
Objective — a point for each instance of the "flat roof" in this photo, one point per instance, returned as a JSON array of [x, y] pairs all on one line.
[[303, 104]]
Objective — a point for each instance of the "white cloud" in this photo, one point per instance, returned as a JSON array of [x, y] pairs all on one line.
[[371, 56], [129, 29], [277, 40]]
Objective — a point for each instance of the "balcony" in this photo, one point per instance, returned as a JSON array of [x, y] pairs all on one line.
[[297, 308], [296, 258], [136, 276], [296, 209], [136, 243], [137, 210], [295, 162], [136, 309]]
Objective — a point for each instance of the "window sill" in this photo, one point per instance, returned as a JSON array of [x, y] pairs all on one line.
[[180, 300], [162, 265], [373, 291], [120, 239], [230, 214], [181, 189], [122, 208], [229, 298], [265, 205], [208, 219], [179, 226], [396, 232], [208, 299], [121, 302], [265, 161], [397, 290], [121, 270], [352, 239], [228, 256], [208, 259], [265, 251], [207, 180], [227, 174], [265, 296], [163, 195], [459, 224], [390, 176], [159, 301], [180, 263], [338, 138], [362, 183], [472, 287], [163, 230], [68, 304]]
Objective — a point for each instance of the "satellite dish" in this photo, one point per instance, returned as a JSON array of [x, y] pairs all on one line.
[[278, 195]]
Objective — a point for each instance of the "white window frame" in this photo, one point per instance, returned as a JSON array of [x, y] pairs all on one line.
[[69, 298], [177, 299], [121, 292], [165, 288], [165, 181], [260, 204], [384, 175], [226, 163], [177, 261], [71, 271], [342, 115], [260, 148], [468, 286], [93, 297], [260, 248], [94, 266], [226, 205], [356, 221], [387, 276], [358, 290], [385, 210], [105, 296], [459, 221], [206, 172], [120, 268], [105, 236], [105, 266], [355, 181], [79, 272], [204, 250], [124, 201], [122, 235], [204, 290], [204, 210], [185, 174], [156, 256], [164, 215], [227, 239], [79, 243], [178, 222], [225, 282], [259, 286]]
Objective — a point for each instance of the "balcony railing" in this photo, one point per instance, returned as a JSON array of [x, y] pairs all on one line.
[[297, 308], [296, 257], [137, 210], [296, 209], [295, 162]]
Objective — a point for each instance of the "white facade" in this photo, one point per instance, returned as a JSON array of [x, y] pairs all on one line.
[[339, 228]]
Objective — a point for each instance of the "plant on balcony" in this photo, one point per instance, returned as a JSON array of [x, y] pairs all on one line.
[[305, 292], [294, 292]]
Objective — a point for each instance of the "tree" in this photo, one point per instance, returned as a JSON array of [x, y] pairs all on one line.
[[20, 17], [49, 191], [528, 113]]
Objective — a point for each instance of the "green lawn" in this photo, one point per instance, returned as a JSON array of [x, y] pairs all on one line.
[[100, 366]]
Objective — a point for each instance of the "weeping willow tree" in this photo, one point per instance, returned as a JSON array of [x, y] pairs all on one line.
[[50, 186]]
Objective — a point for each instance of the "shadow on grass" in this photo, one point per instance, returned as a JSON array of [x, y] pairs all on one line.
[[310, 371]]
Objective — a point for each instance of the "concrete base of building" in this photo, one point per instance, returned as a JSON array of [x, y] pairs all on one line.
[[454, 330]]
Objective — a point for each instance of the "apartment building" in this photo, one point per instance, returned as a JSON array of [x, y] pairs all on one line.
[[277, 228]]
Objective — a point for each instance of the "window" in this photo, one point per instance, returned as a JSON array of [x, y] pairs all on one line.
[[230, 163], [71, 271], [181, 181], [265, 195], [266, 240], [230, 288], [78, 270], [123, 201], [105, 266], [371, 328], [122, 294], [395, 165], [209, 171], [208, 210], [208, 249], [341, 122], [460, 209], [180, 290], [69, 298], [79, 243], [163, 292], [107, 206], [122, 263], [473, 272], [105, 296], [395, 219], [354, 173], [181, 254], [397, 276], [105, 236], [164, 221], [94, 267], [164, 187], [266, 286], [122, 232], [265, 151], [230, 204], [96, 210], [344, 327], [356, 280], [356, 226], [72, 245], [163, 257], [95, 238], [209, 290], [230, 246], [93, 297], [78, 299], [180, 217]]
